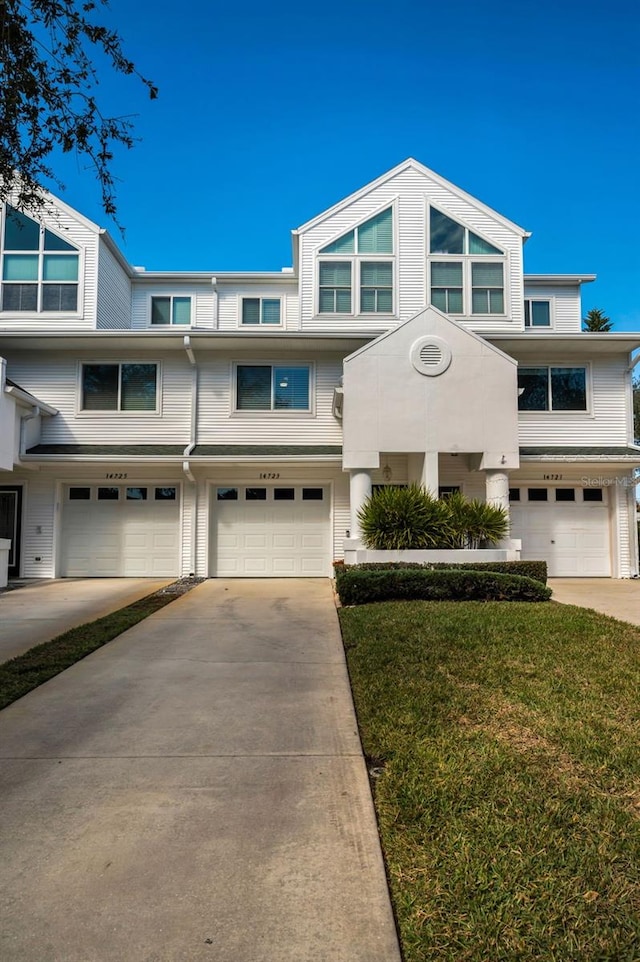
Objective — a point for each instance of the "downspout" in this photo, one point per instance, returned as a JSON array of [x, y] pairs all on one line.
[[193, 437]]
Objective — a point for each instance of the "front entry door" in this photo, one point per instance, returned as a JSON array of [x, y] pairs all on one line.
[[10, 524]]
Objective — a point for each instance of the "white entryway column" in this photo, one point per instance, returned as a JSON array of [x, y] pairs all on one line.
[[359, 491], [497, 489], [430, 472]]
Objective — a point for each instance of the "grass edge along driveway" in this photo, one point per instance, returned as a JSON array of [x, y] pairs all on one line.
[[22, 674], [504, 740]]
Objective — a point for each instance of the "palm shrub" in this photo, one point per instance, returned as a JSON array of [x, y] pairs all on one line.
[[474, 522], [396, 519]]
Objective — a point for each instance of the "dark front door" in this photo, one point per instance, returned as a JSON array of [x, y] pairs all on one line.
[[10, 523]]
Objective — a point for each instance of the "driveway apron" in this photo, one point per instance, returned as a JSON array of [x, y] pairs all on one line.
[[195, 790]]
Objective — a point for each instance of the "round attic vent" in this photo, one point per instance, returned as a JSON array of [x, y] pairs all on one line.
[[431, 355]]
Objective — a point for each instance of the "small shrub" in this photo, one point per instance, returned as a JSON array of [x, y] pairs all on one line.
[[358, 587], [475, 522], [410, 518], [537, 570], [397, 519]]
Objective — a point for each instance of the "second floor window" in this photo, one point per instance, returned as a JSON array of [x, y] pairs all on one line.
[[119, 387], [552, 389], [537, 313], [39, 268], [271, 387], [171, 310], [260, 310]]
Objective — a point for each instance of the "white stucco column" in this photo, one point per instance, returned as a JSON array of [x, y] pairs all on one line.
[[497, 489], [430, 472], [359, 491]]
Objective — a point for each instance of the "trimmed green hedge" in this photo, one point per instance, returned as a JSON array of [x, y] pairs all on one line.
[[359, 587], [525, 569]]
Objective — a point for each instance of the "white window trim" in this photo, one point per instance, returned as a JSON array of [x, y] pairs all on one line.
[[80, 411], [467, 260], [79, 251], [588, 413], [272, 412], [551, 302], [260, 325], [356, 259], [172, 296]]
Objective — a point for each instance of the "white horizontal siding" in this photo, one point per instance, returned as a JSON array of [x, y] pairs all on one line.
[[605, 424], [566, 315], [410, 191], [54, 379], [38, 529], [230, 304], [202, 303], [217, 424], [114, 292]]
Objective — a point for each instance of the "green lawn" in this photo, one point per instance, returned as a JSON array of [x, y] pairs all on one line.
[[505, 739]]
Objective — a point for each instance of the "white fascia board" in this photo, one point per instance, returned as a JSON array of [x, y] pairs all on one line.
[[117, 253], [178, 459], [560, 280], [608, 459], [56, 202], [585, 342], [213, 277], [29, 400], [416, 165]]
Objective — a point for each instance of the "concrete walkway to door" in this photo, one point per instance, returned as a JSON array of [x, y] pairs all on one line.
[[610, 596], [195, 790]]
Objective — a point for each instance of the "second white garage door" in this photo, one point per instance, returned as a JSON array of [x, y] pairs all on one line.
[[264, 532], [568, 527]]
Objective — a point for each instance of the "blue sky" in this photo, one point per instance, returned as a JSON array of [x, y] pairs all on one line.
[[268, 114]]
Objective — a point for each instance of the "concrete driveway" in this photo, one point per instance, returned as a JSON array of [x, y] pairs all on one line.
[[195, 790], [620, 599], [38, 612]]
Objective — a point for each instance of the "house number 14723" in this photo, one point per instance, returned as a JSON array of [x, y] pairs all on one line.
[[269, 476]]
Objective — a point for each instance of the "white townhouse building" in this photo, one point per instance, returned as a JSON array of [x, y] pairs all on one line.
[[231, 424]]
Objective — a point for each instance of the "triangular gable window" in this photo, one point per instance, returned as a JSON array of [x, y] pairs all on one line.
[[40, 270], [375, 236], [447, 236]]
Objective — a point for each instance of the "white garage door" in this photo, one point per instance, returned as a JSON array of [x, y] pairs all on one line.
[[121, 531], [279, 532], [566, 527]]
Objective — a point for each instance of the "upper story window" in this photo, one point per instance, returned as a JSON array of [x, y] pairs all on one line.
[[119, 387], [171, 310], [552, 388], [272, 387], [260, 310], [537, 313], [39, 269], [361, 283], [466, 271]]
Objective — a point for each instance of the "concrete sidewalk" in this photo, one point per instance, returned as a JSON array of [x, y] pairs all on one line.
[[39, 611], [620, 599], [195, 790]]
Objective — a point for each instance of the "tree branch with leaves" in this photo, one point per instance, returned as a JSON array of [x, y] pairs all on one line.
[[48, 97]]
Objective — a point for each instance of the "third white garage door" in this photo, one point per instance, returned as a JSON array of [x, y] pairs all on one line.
[[265, 532], [568, 527]]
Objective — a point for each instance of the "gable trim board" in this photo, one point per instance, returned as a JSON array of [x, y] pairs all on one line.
[[423, 396]]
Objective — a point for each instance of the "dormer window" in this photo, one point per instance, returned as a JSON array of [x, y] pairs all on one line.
[[362, 281], [39, 268], [466, 270]]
